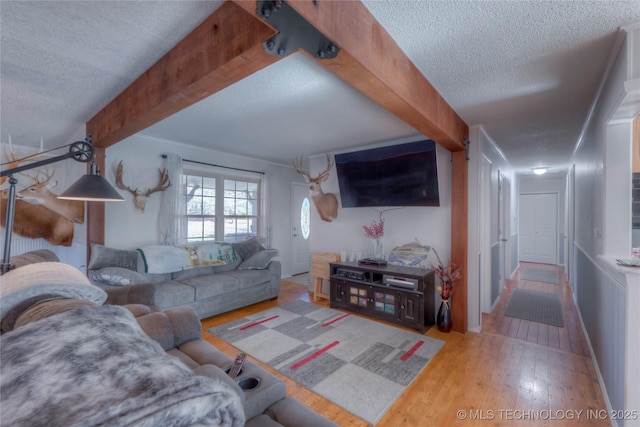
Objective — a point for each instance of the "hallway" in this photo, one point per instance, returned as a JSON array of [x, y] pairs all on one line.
[[513, 373], [569, 338]]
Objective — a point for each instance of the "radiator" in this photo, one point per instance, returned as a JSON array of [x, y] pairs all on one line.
[[74, 255]]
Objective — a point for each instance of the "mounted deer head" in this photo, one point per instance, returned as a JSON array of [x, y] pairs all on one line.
[[39, 194], [34, 220], [37, 221], [140, 199], [326, 203]]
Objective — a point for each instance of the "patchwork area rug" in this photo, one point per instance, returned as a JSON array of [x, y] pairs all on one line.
[[358, 364], [540, 275], [536, 306]]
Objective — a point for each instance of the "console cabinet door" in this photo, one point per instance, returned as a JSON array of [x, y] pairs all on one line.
[[385, 303], [358, 296], [410, 307], [338, 295]]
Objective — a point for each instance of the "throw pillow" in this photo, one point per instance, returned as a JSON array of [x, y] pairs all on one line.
[[159, 259], [103, 256], [117, 276], [50, 279], [259, 260], [247, 248], [211, 253]]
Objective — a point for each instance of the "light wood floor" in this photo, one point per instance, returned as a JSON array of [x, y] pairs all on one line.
[[514, 373]]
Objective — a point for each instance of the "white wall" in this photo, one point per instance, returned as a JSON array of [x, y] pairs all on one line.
[[617, 227], [127, 228], [429, 225], [590, 159], [601, 290]]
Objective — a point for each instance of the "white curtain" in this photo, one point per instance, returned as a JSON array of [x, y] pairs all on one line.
[[172, 220], [265, 227]]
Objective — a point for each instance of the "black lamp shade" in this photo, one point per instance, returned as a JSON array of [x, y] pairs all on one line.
[[92, 188]]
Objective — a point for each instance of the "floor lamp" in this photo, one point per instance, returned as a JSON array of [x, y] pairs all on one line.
[[91, 187]]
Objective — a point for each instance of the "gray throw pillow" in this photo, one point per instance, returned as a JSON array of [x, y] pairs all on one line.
[[247, 248], [117, 276], [103, 256], [259, 260]]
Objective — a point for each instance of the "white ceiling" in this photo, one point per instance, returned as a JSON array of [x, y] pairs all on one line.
[[526, 71]]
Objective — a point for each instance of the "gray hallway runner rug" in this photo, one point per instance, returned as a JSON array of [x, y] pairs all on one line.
[[358, 364], [536, 306], [540, 275]]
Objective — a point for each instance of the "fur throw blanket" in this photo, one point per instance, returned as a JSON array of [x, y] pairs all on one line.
[[94, 366]]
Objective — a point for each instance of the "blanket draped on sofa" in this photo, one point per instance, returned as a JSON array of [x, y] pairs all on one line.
[[94, 366]]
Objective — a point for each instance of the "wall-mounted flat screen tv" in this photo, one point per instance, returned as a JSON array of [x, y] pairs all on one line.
[[395, 175]]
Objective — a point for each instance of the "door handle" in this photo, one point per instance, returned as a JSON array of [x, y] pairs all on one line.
[[503, 240]]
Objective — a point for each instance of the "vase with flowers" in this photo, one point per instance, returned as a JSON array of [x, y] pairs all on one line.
[[449, 275], [375, 232]]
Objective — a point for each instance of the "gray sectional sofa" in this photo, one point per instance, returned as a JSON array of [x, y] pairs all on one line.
[[250, 276], [137, 365]]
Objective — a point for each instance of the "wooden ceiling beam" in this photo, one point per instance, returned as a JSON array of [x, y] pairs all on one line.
[[225, 48], [371, 61]]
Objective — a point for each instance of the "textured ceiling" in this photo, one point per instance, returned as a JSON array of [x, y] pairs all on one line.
[[63, 61], [526, 71]]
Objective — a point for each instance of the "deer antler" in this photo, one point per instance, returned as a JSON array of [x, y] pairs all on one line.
[[140, 199], [326, 171], [163, 183], [297, 164], [13, 160], [36, 178], [120, 184]]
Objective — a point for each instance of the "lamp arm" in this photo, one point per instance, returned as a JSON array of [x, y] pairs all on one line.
[[81, 151], [11, 205]]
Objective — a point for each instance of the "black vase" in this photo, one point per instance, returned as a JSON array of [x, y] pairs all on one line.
[[444, 316]]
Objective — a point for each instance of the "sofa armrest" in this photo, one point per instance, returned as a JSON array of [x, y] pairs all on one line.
[[275, 268], [173, 327], [213, 371], [290, 413], [142, 293], [185, 324]]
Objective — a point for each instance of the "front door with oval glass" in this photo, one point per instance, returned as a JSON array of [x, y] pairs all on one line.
[[300, 229]]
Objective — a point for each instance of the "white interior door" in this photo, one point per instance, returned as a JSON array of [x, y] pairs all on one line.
[[571, 223], [502, 225], [506, 228], [538, 228], [485, 235], [300, 217]]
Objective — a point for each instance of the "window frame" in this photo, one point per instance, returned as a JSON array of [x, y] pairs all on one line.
[[219, 216]]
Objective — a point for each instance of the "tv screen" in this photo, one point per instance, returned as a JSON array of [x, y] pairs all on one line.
[[396, 175]]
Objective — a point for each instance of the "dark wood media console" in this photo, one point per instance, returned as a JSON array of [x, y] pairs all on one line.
[[402, 295]]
